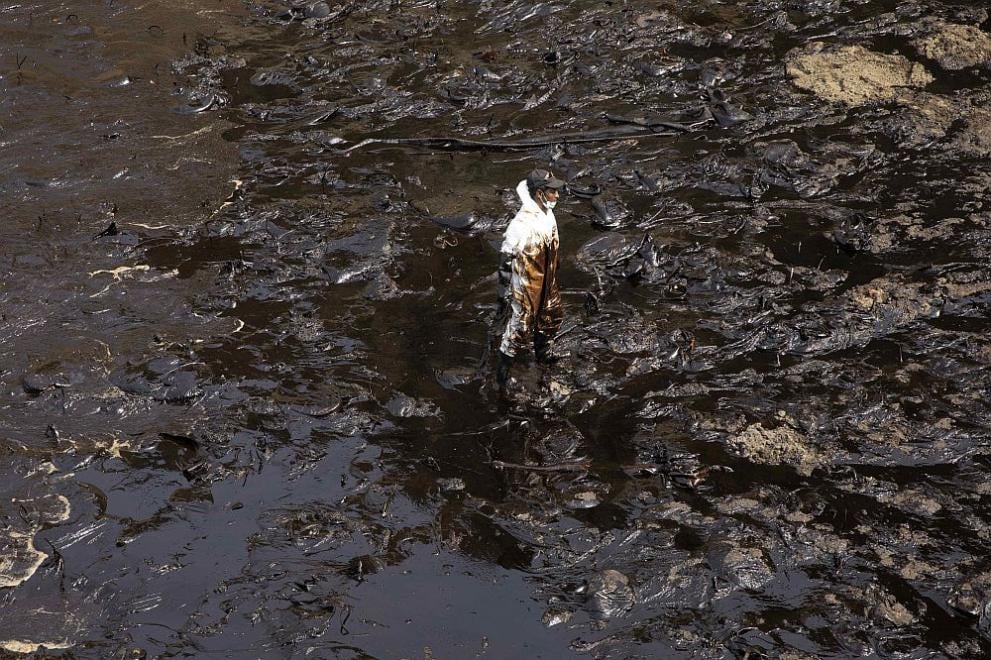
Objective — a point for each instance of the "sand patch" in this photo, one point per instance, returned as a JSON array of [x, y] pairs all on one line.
[[24, 646], [19, 558], [852, 74], [956, 47], [974, 139], [894, 297], [780, 446]]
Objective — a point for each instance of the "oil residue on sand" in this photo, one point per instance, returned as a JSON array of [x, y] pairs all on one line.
[[248, 275]]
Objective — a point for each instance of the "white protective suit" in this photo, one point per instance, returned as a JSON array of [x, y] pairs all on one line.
[[528, 277]]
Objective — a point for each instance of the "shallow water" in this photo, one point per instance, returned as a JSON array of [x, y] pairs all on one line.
[[248, 407]]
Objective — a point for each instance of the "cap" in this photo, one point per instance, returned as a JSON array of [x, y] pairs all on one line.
[[538, 179]]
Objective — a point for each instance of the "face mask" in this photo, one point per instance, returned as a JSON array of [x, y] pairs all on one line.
[[549, 204]]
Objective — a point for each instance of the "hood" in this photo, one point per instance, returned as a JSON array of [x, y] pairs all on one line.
[[530, 225], [529, 203]]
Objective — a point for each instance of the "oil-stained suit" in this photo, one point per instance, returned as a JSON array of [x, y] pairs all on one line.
[[530, 302]]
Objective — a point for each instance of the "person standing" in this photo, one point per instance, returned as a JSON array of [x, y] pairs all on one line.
[[530, 301]]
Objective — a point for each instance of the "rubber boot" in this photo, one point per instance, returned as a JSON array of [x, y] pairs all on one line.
[[502, 371], [543, 350]]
